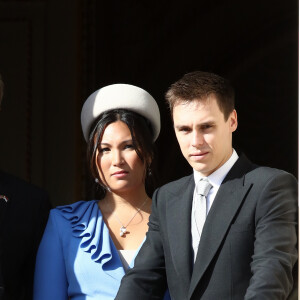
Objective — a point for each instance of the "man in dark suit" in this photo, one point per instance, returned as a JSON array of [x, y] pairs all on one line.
[[24, 212], [228, 231]]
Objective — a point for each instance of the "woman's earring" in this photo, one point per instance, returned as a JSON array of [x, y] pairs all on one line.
[[149, 172], [102, 185]]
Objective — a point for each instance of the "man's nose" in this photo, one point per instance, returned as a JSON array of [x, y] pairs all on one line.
[[197, 138]]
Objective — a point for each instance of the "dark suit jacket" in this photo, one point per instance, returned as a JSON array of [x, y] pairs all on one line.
[[247, 248], [22, 221]]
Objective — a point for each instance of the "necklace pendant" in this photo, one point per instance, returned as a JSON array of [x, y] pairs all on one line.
[[123, 231]]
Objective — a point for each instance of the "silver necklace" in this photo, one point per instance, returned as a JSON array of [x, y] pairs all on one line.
[[123, 228]]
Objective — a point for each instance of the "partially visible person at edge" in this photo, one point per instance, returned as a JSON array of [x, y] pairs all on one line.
[[227, 231], [24, 210], [88, 246]]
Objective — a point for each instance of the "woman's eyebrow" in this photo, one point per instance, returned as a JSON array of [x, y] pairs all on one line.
[[123, 142]]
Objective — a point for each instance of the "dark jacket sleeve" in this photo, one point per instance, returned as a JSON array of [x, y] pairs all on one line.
[[275, 247], [26, 214]]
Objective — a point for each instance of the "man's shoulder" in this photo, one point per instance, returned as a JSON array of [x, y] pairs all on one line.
[[265, 173], [261, 176], [244, 166], [14, 185]]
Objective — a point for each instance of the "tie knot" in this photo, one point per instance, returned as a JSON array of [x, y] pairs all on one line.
[[203, 187]]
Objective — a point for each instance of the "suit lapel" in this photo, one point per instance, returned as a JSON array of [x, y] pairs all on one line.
[[179, 227], [229, 198]]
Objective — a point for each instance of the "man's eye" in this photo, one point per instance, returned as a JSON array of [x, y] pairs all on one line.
[[184, 129], [206, 126]]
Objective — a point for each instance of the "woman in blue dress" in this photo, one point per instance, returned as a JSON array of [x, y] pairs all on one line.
[[87, 246]]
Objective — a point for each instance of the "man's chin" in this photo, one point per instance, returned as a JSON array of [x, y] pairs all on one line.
[[201, 168]]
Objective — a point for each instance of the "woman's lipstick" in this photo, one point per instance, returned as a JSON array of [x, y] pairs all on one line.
[[120, 174]]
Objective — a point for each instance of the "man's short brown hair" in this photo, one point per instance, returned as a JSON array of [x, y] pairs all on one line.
[[199, 86]]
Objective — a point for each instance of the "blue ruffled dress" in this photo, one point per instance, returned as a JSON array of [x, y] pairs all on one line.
[[77, 259]]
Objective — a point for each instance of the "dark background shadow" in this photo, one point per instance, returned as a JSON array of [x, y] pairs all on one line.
[[253, 44], [53, 54]]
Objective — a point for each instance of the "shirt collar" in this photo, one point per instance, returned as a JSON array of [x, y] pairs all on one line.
[[218, 176]]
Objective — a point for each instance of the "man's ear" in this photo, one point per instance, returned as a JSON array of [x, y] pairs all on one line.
[[233, 122]]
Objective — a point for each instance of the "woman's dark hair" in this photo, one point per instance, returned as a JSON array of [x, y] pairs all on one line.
[[142, 138]]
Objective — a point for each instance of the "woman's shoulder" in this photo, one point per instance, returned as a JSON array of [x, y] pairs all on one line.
[[76, 205], [83, 222], [75, 211]]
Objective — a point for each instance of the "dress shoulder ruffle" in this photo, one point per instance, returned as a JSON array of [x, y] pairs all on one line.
[[87, 224]]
